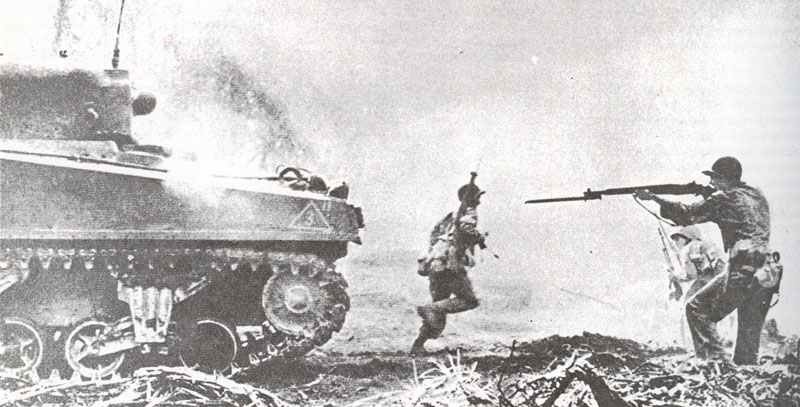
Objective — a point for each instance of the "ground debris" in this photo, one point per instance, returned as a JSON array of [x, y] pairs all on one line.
[[595, 370], [145, 387], [587, 370], [450, 383], [606, 351]]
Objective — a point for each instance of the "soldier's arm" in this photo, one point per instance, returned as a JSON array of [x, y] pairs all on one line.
[[689, 214], [468, 227]]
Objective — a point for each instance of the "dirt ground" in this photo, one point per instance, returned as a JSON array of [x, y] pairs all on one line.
[[334, 379], [368, 357]]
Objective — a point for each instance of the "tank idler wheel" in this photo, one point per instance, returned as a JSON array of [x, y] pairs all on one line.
[[82, 348], [305, 299], [210, 345], [21, 347]]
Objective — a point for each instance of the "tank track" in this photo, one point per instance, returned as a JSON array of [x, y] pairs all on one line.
[[172, 266]]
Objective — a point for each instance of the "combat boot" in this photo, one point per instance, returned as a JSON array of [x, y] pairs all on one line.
[[418, 348]]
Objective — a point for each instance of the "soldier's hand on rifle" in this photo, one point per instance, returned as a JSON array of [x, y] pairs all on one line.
[[644, 195], [482, 240], [676, 291]]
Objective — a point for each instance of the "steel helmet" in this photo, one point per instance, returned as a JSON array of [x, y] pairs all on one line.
[[726, 167], [690, 232], [469, 191]]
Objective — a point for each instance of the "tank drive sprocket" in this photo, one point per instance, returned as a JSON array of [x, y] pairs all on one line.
[[305, 300]]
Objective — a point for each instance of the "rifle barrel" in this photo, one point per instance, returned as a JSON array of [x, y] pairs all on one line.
[[691, 188], [662, 189], [572, 198]]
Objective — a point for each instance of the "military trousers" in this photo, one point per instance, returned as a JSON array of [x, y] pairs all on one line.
[[736, 290], [451, 292]]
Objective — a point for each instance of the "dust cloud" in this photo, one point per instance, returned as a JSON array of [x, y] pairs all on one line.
[[402, 100]]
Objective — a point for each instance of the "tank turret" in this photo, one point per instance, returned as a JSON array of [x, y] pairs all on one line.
[[69, 105]]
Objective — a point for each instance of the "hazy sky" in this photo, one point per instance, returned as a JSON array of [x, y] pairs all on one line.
[[403, 99]]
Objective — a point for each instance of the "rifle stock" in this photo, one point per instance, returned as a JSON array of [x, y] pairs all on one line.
[[691, 188]]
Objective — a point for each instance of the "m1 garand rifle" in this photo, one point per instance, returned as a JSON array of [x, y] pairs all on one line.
[[668, 249], [691, 188]]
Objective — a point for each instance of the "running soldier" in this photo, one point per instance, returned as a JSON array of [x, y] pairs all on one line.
[[742, 214], [450, 254]]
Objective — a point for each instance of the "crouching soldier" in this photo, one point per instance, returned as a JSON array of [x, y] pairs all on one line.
[[704, 264], [450, 255], [701, 260]]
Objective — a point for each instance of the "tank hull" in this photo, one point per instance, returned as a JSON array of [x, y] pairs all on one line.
[[59, 198]]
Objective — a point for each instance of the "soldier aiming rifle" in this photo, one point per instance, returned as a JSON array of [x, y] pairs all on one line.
[[742, 214], [754, 272]]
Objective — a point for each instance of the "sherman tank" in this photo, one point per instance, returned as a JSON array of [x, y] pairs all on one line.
[[110, 248]]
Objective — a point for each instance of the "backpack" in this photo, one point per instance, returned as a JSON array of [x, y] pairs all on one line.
[[435, 259]]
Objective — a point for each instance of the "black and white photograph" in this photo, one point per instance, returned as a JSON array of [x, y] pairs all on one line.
[[276, 203]]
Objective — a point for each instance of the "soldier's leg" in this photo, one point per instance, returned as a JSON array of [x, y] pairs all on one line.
[[433, 322], [463, 298], [752, 314], [751, 299], [702, 315], [702, 311]]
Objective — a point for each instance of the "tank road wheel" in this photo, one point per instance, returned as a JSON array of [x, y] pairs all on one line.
[[305, 299], [211, 345], [82, 346], [21, 347]]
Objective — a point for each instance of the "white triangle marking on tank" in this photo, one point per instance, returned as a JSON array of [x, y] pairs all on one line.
[[310, 218]]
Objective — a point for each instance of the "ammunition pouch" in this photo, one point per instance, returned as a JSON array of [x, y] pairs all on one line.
[[759, 262], [771, 273], [423, 267]]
